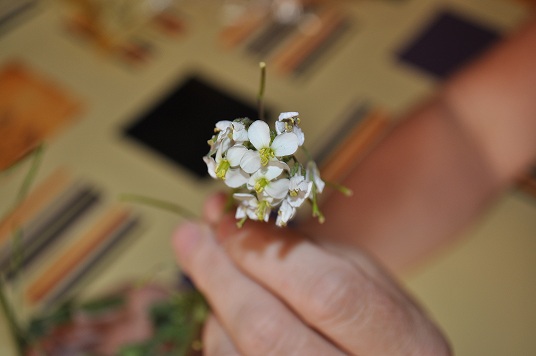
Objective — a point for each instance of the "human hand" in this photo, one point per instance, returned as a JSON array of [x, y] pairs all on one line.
[[272, 291]]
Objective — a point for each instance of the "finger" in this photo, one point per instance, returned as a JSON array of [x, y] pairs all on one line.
[[216, 342], [343, 302], [257, 322], [388, 284], [364, 263]]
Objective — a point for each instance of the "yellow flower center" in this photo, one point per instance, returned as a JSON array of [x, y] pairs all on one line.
[[266, 155], [222, 168], [261, 209], [260, 184]]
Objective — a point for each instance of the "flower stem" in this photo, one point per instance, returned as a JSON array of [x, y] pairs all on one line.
[[262, 85], [160, 204], [14, 328], [37, 157], [341, 188]]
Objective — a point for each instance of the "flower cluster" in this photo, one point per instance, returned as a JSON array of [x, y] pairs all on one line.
[[260, 164]]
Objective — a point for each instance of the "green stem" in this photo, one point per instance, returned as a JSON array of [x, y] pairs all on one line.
[[13, 324], [160, 204], [14, 328], [37, 157], [341, 188], [307, 153], [262, 85]]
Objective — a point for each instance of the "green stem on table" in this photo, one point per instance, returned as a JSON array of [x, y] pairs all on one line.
[[160, 204], [29, 179], [8, 310], [13, 325], [37, 157], [262, 85]]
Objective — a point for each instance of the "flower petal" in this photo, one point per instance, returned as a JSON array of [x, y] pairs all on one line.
[[211, 166], [240, 212], [285, 144], [287, 115], [240, 134], [259, 134], [235, 154], [285, 213], [272, 170], [245, 197], [313, 174], [298, 132], [278, 189], [223, 125], [251, 161], [280, 127], [236, 178]]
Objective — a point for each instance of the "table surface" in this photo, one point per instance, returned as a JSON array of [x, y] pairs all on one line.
[[481, 291]]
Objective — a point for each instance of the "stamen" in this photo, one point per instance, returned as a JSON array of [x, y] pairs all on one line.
[[266, 155], [222, 169]]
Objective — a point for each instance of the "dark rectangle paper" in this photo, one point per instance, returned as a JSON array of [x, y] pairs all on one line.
[[446, 43], [179, 126]]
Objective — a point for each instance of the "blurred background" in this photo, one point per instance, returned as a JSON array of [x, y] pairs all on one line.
[[125, 93]]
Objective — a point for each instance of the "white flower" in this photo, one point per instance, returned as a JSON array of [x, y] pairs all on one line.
[[240, 134], [313, 175], [288, 122], [299, 190], [259, 135], [285, 214], [228, 133], [223, 126], [227, 168], [264, 181], [252, 208], [261, 165], [222, 141]]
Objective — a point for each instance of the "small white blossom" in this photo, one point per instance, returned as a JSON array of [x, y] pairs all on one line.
[[266, 150], [240, 133], [313, 175], [264, 181], [250, 207], [285, 214], [227, 168], [288, 122], [261, 166], [299, 190], [223, 138]]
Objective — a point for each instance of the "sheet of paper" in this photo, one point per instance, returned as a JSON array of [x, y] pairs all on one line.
[[32, 109]]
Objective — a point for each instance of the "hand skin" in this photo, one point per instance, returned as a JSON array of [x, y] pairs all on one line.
[[274, 292]]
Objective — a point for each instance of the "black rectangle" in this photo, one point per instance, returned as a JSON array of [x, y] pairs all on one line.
[[179, 126]]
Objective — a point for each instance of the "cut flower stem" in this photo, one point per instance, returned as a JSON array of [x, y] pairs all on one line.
[[160, 204]]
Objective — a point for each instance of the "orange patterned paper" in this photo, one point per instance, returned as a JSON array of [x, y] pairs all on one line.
[[32, 108]]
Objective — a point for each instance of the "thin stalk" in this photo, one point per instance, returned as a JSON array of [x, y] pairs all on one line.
[[37, 157], [160, 204], [341, 188], [16, 242], [262, 85], [13, 325]]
